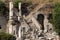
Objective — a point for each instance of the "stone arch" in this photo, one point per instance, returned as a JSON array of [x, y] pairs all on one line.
[[40, 18]]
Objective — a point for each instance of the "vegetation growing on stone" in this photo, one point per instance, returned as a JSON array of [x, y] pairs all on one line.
[[56, 18], [16, 3], [6, 36]]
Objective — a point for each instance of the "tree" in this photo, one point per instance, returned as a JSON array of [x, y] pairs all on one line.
[[56, 18]]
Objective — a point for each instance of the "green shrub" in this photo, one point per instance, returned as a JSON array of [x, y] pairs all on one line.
[[5, 36], [56, 18]]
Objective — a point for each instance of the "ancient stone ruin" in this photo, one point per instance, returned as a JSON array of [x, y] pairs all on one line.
[[35, 26]]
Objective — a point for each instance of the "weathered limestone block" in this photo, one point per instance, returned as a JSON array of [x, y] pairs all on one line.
[[36, 23], [42, 38], [25, 25], [19, 33], [50, 28], [14, 30], [49, 36], [27, 39], [56, 37], [9, 26]]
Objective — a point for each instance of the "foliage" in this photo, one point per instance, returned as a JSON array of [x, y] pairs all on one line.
[[16, 3], [5, 36], [56, 18], [3, 8]]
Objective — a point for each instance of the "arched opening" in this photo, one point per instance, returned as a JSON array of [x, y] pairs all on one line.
[[40, 19]]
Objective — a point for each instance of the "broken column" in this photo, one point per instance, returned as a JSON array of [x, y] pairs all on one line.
[[10, 18]]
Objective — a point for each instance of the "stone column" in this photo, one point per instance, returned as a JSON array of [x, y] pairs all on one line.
[[10, 10], [45, 24], [10, 17], [19, 33], [19, 15], [10, 29]]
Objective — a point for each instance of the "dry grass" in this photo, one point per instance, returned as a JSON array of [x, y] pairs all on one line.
[[40, 1]]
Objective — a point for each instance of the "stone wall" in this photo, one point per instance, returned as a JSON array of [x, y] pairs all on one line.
[[3, 23]]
